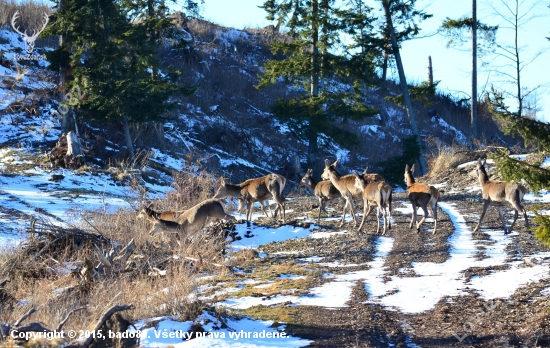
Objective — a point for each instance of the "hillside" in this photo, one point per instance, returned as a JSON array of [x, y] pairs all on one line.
[[270, 284]]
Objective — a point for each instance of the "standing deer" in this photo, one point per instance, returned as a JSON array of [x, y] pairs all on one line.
[[324, 190], [376, 193], [195, 218], [372, 177], [344, 184], [256, 190], [421, 195], [497, 193]]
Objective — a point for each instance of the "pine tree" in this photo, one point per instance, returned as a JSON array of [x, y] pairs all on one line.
[[111, 59], [310, 61]]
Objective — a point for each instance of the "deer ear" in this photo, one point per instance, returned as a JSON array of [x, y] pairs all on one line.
[[335, 162], [355, 173], [310, 171], [366, 170], [412, 169], [406, 167], [327, 163], [483, 162]]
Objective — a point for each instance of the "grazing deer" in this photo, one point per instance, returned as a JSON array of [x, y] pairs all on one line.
[[256, 190], [159, 224], [190, 220], [324, 190], [422, 196], [344, 184], [497, 193], [376, 193]]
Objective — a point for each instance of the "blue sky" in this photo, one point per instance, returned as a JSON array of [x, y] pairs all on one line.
[[451, 66]]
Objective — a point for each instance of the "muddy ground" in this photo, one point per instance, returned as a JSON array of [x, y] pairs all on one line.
[[462, 321]]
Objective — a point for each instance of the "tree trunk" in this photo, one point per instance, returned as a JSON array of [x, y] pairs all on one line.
[[128, 137], [314, 92], [516, 56], [65, 116], [474, 70], [404, 87], [430, 72]]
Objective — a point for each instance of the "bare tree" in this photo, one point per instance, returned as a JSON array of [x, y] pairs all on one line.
[[515, 14]]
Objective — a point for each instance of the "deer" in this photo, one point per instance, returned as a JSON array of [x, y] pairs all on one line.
[[376, 193], [191, 219], [323, 190], [497, 193], [30, 40], [344, 184], [256, 190], [421, 195], [160, 224], [372, 177]]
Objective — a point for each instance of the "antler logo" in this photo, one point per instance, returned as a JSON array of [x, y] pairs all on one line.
[[29, 39]]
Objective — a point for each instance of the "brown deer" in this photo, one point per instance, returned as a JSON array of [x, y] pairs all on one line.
[[256, 190], [497, 193], [344, 184], [190, 220], [376, 193], [372, 177], [324, 190], [160, 224], [422, 196]]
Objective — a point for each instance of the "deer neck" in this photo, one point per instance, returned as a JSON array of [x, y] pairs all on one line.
[[334, 178], [311, 183], [410, 180], [230, 190], [483, 178]]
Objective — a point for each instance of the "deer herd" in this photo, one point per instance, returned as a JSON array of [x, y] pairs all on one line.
[[371, 188]]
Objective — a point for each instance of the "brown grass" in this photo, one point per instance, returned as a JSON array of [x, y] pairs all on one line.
[[161, 273], [446, 157]]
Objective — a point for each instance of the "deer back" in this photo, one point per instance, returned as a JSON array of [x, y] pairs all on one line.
[[325, 189]]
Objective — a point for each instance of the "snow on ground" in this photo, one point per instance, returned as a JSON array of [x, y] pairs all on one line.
[[431, 281], [237, 333]]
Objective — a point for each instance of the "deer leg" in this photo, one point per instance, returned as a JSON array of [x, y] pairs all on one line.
[[413, 217], [352, 209], [434, 213], [320, 208], [344, 213], [384, 216], [263, 208], [518, 207], [378, 220], [485, 206], [425, 210], [366, 211], [501, 215]]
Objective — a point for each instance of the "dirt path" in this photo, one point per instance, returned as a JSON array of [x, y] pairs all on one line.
[[465, 320]]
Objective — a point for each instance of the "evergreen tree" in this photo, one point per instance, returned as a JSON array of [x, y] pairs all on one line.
[[111, 59], [310, 61]]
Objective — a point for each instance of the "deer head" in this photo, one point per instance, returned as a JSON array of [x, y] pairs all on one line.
[[35, 32]]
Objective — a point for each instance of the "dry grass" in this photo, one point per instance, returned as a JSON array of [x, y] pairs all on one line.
[[447, 157], [159, 277]]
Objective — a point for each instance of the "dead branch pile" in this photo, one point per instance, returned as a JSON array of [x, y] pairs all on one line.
[[20, 333]]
